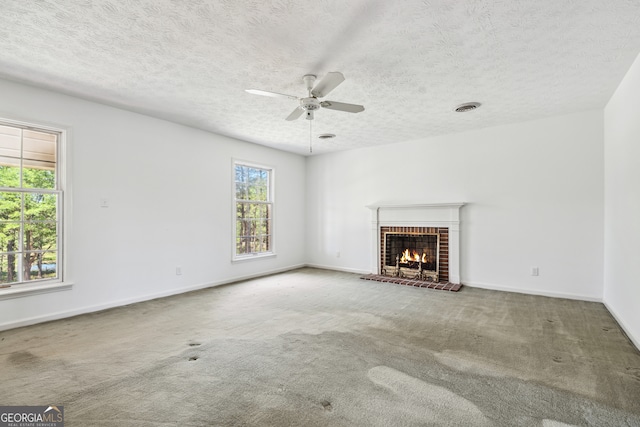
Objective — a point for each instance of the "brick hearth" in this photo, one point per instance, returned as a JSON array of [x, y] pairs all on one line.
[[416, 283]]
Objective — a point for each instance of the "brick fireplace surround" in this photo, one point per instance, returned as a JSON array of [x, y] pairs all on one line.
[[440, 218]]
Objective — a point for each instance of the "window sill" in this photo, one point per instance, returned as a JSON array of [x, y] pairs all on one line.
[[19, 291], [253, 256]]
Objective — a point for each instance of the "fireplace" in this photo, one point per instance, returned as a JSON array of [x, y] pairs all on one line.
[[417, 242]]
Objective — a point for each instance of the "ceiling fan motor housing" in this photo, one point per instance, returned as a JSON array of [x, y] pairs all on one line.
[[309, 104]]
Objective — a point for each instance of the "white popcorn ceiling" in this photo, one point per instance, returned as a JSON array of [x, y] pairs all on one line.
[[410, 63]]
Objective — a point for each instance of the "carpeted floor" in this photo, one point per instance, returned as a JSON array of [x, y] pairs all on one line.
[[320, 348]]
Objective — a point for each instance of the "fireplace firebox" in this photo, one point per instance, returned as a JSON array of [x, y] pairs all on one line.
[[420, 253], [411, 255]]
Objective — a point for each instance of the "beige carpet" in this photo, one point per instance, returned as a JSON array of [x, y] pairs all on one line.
[[320, 348]]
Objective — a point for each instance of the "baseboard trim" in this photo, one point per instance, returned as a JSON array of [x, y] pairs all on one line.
[[634, 340], [527, 291], [148, 297]]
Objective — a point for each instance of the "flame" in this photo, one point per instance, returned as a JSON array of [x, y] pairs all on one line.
[[412, 256]]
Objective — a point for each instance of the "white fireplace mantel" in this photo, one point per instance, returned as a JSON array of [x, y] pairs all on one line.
[[418, 215]]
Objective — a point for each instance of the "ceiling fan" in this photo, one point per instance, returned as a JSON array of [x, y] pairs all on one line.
[[311, 103]]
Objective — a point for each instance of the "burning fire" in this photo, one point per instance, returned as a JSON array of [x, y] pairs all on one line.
[[412, 256]]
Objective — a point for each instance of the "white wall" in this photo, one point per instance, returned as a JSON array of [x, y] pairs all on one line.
[[534, 192], [622, 203], [169, 188]]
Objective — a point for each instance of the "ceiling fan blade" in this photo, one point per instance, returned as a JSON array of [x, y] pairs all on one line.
[[271, 94], [327, 84], [295, 114], [341, 106]]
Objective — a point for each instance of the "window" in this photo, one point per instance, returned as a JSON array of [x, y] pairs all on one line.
[[30, 204], [254, 210]]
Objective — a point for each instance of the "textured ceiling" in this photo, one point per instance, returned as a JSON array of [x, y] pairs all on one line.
[[408, 62]]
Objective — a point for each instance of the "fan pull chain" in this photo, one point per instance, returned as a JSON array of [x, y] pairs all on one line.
[[310, 147]]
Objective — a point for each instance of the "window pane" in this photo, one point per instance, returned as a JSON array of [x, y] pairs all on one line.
[[39, 159], [34, 175], [40, 236], [255, 227], [38, 265], [9, 235], [10, 138], [260, 211], [10, 206], [241, 173], [242, 228], [38, 145], [243, 245], [266, 242], [241, 191], [9, 172], [258, 193], [252, 245], [261, 226], [242, 182], [40, 207], [8, 268]]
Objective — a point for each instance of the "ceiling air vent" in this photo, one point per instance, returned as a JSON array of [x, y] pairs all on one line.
[[467, 106]]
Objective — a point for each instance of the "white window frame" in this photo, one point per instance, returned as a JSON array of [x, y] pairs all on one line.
[[21, 289], [271, 200]]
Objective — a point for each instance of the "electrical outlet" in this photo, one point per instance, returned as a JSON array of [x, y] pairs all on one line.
[[178, 271], [535, 271], [104, 203]]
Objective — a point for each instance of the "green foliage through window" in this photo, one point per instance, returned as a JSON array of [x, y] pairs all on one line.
[[29, 205], [254, 206]]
